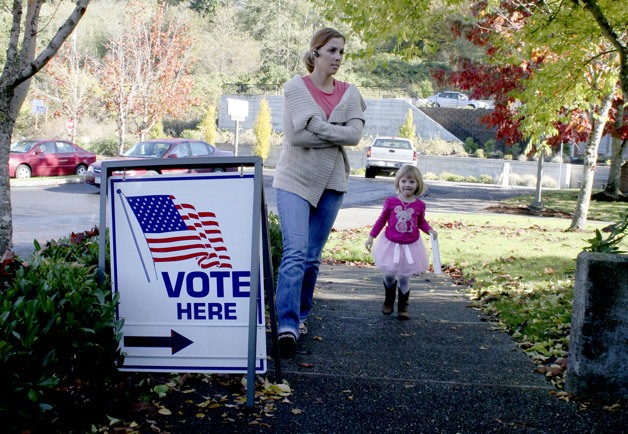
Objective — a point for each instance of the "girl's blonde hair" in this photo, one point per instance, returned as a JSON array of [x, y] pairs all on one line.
[[410, 171], [319, 39]]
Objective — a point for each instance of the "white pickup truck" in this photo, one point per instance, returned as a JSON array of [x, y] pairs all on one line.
[[387, 154]]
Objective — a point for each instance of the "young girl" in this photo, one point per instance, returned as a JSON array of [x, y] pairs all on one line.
[[401, 252]]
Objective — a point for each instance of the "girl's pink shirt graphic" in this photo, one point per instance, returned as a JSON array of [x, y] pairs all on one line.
[[405, 221]]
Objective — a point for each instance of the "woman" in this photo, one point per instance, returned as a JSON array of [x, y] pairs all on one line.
[[321, 115]]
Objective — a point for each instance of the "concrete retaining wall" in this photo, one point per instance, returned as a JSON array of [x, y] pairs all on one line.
[[570, 174], [598, 347], [384, 117]]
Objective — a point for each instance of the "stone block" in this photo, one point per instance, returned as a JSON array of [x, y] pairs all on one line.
[[598, 346]]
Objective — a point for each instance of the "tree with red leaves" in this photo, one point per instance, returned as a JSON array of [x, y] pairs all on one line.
[[146, 71], [566, 60]]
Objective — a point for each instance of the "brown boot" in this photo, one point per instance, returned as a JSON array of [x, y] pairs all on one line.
[[402, 306], [389, 302]]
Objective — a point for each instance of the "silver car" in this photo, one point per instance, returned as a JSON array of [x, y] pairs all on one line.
[[450, 99]]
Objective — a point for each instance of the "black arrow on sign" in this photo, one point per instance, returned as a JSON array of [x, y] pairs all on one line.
[[175, 341]]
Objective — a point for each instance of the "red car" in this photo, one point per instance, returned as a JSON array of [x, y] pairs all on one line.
[[48, 157], [163, 148]]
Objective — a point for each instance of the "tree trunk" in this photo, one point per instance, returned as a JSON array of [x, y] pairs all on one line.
[[6, 221], [121, 131], [598, 120], [612, 189], [618, 40], [537, 204], [20, 66]]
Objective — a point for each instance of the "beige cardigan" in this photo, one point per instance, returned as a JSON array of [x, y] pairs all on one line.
[[313, 157]]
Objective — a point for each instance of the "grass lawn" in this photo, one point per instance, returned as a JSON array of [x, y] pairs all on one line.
[[518, 269], [565, 200]]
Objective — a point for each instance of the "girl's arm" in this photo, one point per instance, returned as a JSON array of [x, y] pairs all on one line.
[[378, 226], [423, 224]]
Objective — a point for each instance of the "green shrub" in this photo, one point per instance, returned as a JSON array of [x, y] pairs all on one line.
[[440, 147], [208, 125], [157, 132], [451, 177], [59, 338], [192, 134], [486, 179], [262, 130], [549, 182], [527, 180], [515, 149], [470, 178], [470, 145], [407, 129], [429, 176], [479, 153], [507, 156], [489, 146], [276, 241], [106, 146], [616, 234]]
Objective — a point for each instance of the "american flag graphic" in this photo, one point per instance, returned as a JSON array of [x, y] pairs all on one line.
[[176, 232]]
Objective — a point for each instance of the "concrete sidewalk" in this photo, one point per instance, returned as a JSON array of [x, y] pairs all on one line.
[[444, 371]]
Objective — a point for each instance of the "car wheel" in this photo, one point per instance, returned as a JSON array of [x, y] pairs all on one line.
[[370, 172], [436, 104], [80, 170], [23, 172], [471, 107], [219, 170]]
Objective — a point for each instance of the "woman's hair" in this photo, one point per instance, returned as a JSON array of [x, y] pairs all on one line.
[[410, 171], [319, 39]]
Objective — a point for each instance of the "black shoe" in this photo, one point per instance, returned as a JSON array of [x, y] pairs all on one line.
[[402, 306], [287, 344], [389, 302]]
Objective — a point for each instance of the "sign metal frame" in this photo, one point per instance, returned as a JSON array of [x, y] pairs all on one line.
[[259, 221]]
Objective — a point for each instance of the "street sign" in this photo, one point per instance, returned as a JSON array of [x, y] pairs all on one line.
[[181, 262], [238, 109], [38, 106]]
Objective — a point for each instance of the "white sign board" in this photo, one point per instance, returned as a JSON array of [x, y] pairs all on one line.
[[181, 254], [38, 106], [238, 109]]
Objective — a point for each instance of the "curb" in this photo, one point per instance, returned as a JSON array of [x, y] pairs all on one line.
[[33, 182]]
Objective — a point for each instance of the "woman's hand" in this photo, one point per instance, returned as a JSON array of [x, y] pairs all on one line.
[[369, 243]]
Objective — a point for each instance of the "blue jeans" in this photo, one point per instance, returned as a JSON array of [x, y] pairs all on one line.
[[305, 230]]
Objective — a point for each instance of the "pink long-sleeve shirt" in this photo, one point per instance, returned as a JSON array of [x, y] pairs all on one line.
[[403, 221]]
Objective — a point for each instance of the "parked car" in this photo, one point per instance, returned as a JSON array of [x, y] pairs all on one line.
[[47, 157], [387, 154], [163, 148], [451, 99]]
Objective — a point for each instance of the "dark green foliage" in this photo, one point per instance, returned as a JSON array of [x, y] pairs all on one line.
[[470, 145], [59, 338], [276, 241], [609, 244], [107, 146]]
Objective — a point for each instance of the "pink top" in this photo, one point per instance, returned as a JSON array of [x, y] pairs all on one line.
[[404, 221], [327, 101]]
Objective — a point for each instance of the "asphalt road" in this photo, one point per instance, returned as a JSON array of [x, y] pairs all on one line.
[[47, 209]]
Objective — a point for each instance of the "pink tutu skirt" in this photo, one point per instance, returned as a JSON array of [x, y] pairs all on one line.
[[401, 259]]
